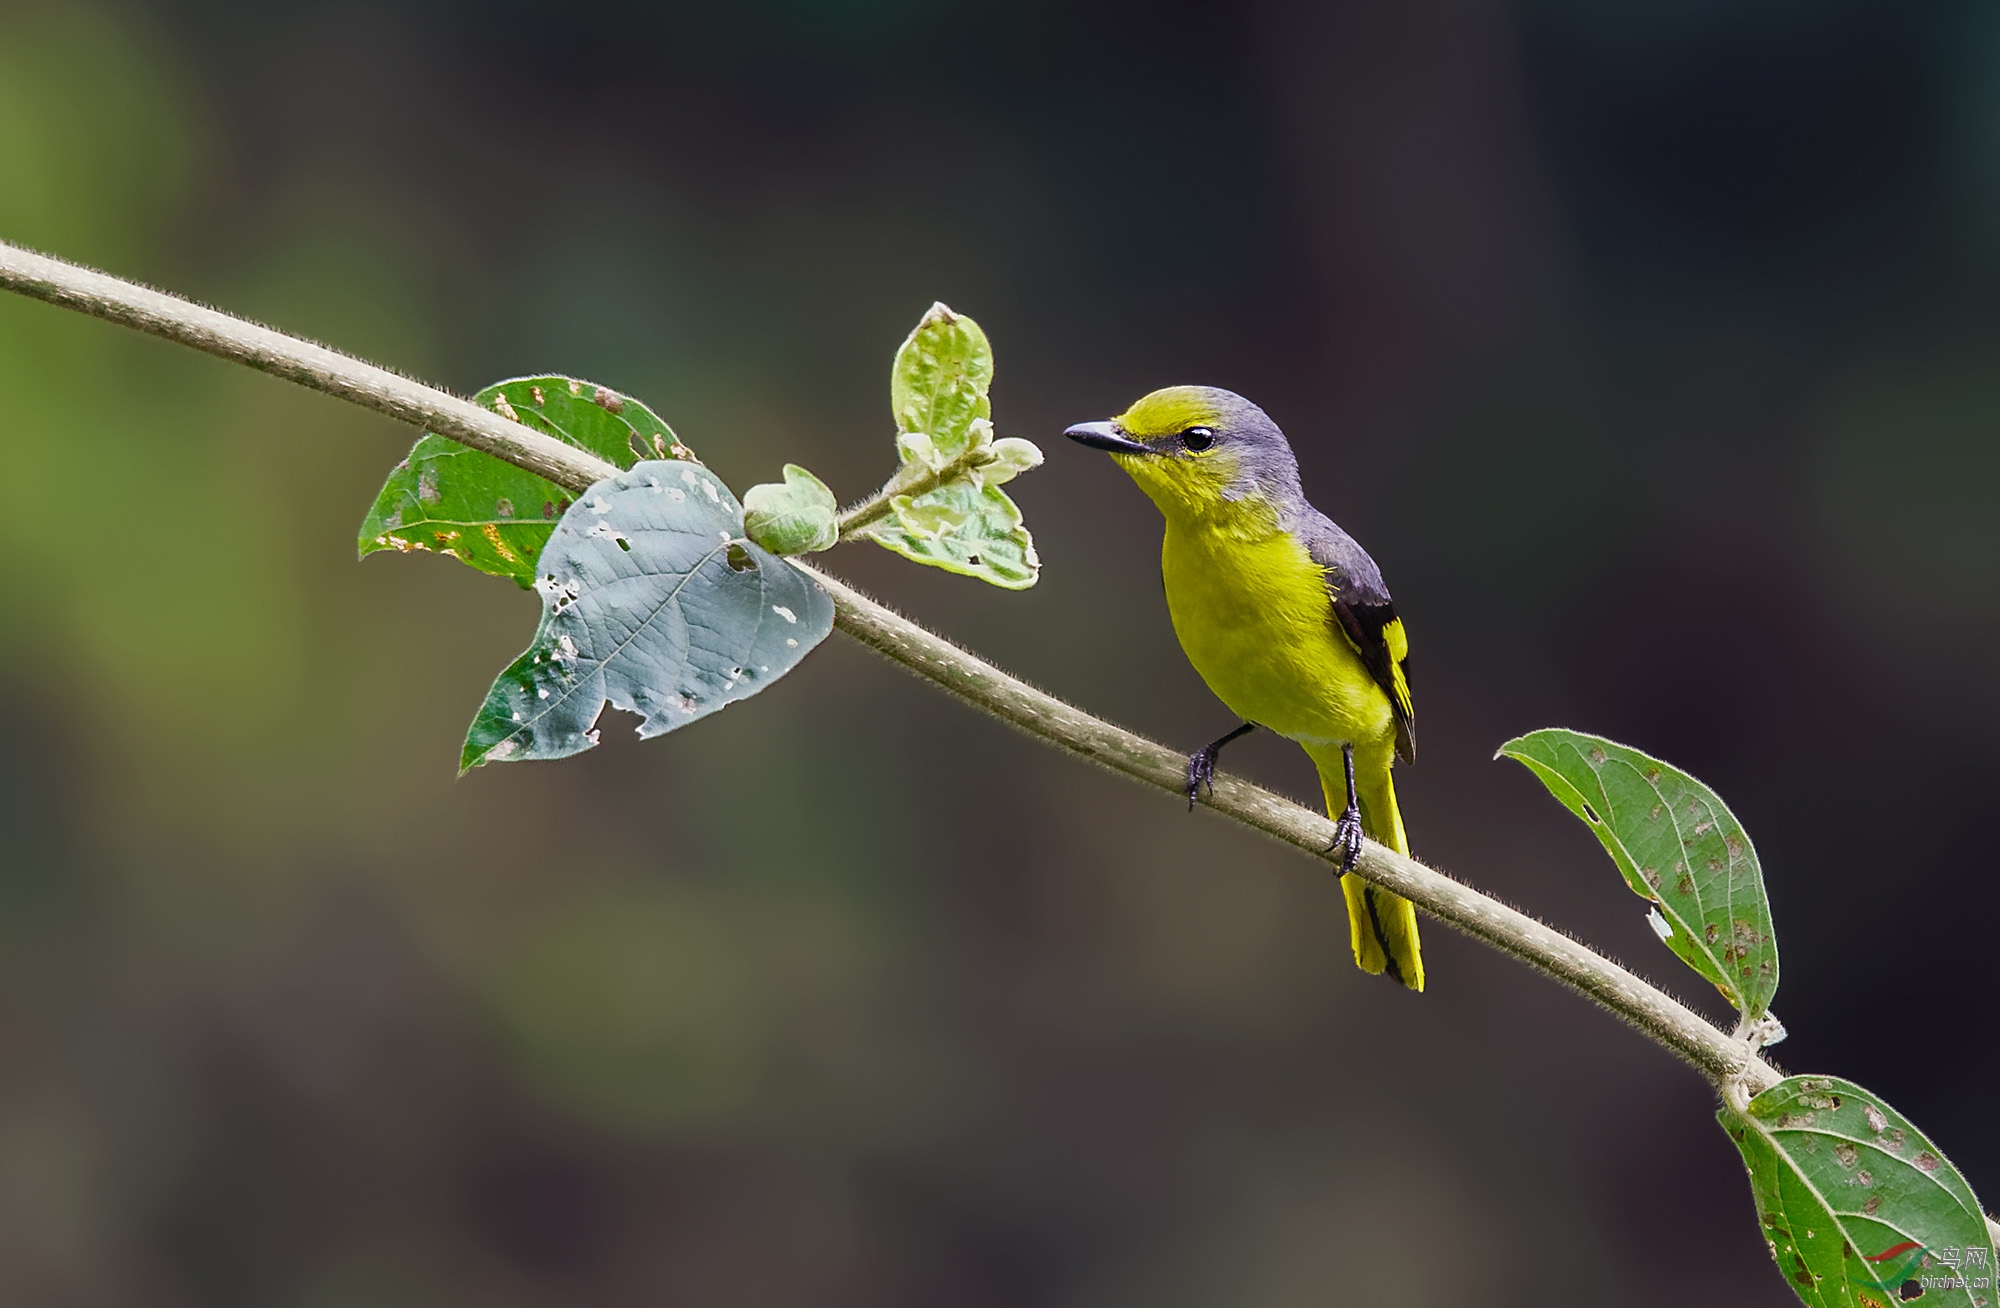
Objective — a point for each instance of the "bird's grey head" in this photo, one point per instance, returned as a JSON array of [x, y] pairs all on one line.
[[1196, 448]]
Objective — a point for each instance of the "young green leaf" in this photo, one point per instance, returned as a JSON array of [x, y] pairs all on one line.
[[1679, 846], [654, 599], [961, 527], [1859, 1210], [944, 505], [486, 512], [1008, 458], [794, 518], [938, 384]]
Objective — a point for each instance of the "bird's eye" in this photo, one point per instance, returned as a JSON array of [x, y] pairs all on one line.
[[1198, 438]]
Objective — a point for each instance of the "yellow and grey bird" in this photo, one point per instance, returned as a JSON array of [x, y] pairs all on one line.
[[1287, 620]]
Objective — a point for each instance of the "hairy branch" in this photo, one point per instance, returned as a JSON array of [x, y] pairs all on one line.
[[103, 296], [1723, 1059], [911, 480]]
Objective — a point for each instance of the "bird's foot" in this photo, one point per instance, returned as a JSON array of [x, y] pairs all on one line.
[[1201, 772], [1347, 838], [1201, 764]]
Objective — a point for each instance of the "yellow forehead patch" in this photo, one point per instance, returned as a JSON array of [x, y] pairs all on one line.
[[1171, 410]]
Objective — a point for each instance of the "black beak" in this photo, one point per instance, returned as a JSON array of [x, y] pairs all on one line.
[[1105, 436]]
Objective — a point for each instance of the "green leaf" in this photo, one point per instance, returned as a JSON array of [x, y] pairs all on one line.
[[1859, 1209], [486, 512], [945, 507], [961, 527], [654, 599], [794, 518], [938, 385], [1679, 846]]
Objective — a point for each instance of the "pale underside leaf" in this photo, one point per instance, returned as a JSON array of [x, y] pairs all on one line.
[[654, 600]]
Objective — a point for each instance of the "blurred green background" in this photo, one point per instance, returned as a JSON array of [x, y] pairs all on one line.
[[1649, 347]]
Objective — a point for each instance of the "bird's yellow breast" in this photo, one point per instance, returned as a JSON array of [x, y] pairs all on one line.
[[1252, 611]]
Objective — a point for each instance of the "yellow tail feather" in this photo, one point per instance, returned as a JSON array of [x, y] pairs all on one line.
[[1381, 926]]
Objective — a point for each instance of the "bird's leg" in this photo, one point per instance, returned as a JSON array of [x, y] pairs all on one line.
[[1201, 764], [1347, 827]]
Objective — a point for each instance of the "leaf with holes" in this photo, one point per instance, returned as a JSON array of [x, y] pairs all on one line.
[[961, 527], [486, 512], [1859, 1210], [652, 598], [1679, 846]]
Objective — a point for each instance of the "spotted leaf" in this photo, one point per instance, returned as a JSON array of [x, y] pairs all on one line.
[[489, 514], [1860, 1210], [1679, 846]]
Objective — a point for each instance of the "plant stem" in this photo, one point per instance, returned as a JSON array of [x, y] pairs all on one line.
[[1722, 1059], [103, 296], [877, 506]]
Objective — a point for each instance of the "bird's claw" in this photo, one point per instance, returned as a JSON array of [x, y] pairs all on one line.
[[1201, 773], [1201, 764], [1347, 838]]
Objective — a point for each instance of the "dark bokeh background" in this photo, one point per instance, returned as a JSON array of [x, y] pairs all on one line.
[[1650, 347]]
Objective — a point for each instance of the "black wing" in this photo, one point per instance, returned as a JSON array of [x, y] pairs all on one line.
[[1367, 617]]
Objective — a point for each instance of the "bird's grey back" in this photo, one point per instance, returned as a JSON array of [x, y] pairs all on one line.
[[1350, 570]]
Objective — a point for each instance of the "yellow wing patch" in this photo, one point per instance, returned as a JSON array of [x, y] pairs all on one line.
[[1398, 643]]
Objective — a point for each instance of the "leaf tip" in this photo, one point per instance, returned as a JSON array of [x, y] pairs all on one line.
[[476, 755]]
